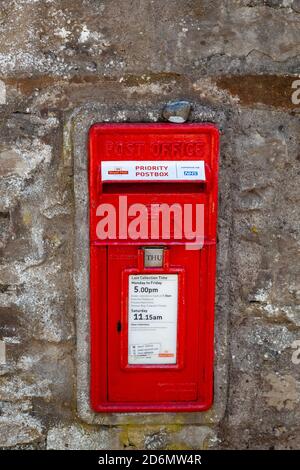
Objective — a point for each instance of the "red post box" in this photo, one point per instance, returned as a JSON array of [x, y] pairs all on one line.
[[153, 212]]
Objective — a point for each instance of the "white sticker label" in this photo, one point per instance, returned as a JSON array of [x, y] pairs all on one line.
[[187, 170], [152, 319]]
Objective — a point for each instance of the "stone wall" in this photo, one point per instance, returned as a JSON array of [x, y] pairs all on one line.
[[235, 61]]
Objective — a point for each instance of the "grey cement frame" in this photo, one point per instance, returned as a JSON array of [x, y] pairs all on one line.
[[76, 129]]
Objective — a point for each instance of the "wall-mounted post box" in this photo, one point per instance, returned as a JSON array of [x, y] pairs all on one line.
[[153, 212]]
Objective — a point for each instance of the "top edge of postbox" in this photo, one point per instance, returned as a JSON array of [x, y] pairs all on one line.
[[147, 128]]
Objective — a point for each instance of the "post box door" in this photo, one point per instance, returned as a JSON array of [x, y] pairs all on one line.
[[175, 382]]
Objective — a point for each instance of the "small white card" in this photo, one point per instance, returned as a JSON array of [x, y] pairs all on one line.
[[152, 319]]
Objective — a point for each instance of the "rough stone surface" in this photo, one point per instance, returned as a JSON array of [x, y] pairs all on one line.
[[65, 64], [76, 437]]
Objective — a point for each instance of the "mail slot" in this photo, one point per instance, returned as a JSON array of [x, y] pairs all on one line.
[[153, 213]]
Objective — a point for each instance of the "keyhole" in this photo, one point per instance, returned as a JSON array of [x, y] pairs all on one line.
[[119, 327]]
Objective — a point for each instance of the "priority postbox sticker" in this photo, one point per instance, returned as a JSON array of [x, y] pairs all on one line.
[[152, 319], [184, 170]]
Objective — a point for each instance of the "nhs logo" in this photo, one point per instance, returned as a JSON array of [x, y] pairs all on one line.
[[193, 170]]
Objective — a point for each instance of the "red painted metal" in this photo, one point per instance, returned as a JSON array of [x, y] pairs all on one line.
[[188, 384]]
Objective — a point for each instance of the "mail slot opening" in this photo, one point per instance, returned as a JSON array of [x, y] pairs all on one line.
[[153, 187]]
